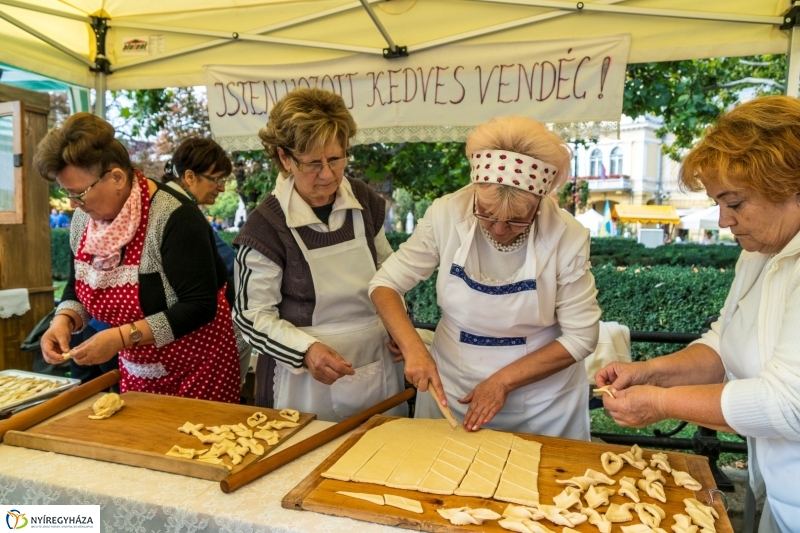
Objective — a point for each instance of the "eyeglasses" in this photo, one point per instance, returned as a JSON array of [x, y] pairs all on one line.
[[335, 164], [78, 198], [512, 223], [220, 182]]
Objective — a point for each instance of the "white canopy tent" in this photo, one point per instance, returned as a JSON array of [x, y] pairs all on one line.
[[706, 219], [591, 220], [137, 44]]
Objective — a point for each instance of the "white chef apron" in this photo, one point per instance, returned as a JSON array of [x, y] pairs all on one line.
[[346, 320], [487, 327]]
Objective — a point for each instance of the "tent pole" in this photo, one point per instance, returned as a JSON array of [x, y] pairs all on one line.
[[102, 67], [793, 55]]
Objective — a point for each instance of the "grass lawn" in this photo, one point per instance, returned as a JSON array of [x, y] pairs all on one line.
[[602, 423], [60, 290]]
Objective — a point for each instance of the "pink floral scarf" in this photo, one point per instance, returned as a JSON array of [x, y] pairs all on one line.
[[105, 238]]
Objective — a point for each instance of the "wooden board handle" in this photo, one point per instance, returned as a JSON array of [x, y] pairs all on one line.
[[34, 415], [273, 462]]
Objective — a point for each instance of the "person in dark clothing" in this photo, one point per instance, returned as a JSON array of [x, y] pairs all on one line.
[[200, 169]]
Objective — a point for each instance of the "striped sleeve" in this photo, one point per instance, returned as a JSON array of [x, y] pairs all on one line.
[[255, 311]]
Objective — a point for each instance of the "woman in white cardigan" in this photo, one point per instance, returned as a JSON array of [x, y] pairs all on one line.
[[518, 300], [743, 376]]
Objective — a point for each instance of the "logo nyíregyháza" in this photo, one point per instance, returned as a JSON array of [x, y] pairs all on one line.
[[16, 519]]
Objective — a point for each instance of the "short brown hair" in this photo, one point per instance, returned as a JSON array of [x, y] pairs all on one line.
[[197, 154], [306, 120], [753, 146], [84, 141]]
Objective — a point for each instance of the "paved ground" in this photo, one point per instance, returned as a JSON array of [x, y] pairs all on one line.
[[736, 500]]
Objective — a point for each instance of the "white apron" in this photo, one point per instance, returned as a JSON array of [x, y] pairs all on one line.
[[346, 320], [485, 328]]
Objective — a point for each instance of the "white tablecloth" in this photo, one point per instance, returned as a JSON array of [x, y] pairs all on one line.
[[145, 501]]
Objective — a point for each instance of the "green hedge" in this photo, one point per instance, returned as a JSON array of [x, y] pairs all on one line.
[[666, 297], [59, 253], [674, 295], [627, 252], [228, 236]]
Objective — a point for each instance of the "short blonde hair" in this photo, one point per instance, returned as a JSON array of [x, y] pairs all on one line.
[[306, 120], [503, 202], [754, 146], [523, 136]]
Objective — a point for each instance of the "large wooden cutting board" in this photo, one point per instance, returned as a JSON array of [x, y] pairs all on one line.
[[144, 430], [561, 459]]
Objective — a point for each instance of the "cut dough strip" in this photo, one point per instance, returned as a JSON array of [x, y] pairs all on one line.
[[411, 470], [377, 499], [519, 482], [366, 447]]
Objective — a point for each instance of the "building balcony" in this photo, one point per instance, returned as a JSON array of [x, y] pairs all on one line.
[[614, 182]]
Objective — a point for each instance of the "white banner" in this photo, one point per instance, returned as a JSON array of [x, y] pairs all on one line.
[[457, 86]]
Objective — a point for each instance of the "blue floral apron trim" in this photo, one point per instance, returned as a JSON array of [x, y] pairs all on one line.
[[511, 288], [478, 340]]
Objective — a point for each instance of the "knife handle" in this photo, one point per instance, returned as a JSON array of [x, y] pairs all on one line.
[[445, 410]]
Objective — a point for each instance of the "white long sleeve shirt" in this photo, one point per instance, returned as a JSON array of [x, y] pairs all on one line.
[[567, 293], [259, 279], [762, 397]]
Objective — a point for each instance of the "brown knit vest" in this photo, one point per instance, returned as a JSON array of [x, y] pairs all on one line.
[[267, 233]]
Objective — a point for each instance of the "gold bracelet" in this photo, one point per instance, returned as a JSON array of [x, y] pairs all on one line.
[[119, 329], [72, 320]]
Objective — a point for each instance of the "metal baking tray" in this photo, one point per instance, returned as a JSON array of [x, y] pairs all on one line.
[[65, 383]]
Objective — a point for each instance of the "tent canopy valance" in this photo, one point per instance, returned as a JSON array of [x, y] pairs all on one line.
[[145, 44], [706, 219], [646, 214]]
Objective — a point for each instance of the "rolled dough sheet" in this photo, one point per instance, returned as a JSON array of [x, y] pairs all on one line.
[[418, 461], [367, 446], [519, 482], [380, 466], [484, 473], [453, 462]]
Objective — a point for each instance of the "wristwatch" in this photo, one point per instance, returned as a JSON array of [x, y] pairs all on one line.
[[135, 335]]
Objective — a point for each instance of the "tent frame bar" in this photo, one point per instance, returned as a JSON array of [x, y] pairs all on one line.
[[54, 12], [228, 38], [42, 37], [648, 11], [501, 27], [393, 51]]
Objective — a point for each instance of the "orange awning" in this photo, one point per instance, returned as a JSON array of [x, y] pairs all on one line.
[[646, 214]]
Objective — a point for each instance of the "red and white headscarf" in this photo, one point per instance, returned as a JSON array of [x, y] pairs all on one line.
[[514, 170]]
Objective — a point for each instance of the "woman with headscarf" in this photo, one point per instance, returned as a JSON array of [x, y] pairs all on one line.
[[519, 308]]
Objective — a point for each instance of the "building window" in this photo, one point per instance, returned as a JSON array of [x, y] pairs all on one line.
[[616, 161], [595, 160]]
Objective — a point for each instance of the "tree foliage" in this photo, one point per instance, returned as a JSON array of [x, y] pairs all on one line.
[[567, 197], [689, 95]]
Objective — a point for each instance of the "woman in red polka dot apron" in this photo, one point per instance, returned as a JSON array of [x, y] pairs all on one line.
[[203, 364]]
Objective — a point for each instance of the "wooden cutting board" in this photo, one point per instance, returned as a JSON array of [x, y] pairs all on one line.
[[144, 430], [561, 459]]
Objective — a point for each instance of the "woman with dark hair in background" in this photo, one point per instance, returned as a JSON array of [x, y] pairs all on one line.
[[144, 262], [200, 169]]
